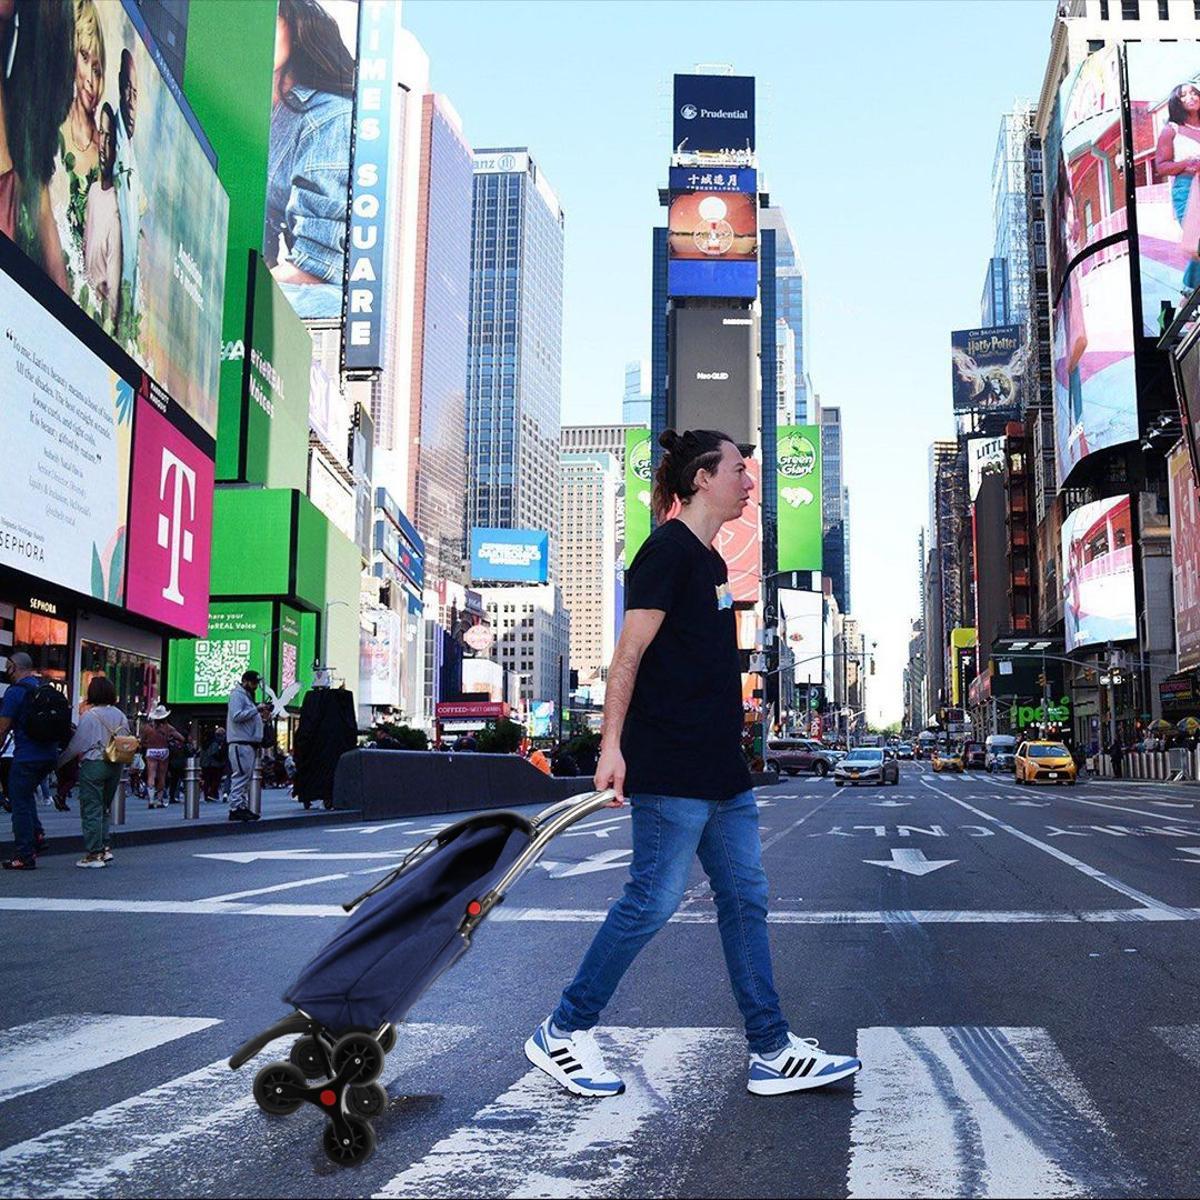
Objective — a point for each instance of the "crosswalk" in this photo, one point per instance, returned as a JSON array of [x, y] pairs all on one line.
[[937, 1111]]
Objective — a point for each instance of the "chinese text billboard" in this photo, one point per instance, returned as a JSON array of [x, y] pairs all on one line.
[[509, 555], [639, 487], [1097, 570], [798, 483], [987, 368]]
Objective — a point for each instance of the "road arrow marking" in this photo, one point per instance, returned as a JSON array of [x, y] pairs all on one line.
[[1189, 850], [249, 856], [1171, 804], [606, 860], [600, 829], [911, 862], [889, 804], [1032, 803]]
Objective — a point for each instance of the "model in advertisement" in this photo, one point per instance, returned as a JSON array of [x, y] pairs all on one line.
[[102, 226], [1177, 156], [308, 173]]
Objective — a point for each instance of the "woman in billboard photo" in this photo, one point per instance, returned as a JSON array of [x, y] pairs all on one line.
[[308, 177], [1177, 156]]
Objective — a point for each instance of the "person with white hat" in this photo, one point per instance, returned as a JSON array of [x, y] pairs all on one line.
[[157, 739]]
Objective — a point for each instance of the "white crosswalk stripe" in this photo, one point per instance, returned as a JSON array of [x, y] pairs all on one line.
[[187, 1131], [49, 1051], [537, 1140], [1183, 1039], [975, 1111]]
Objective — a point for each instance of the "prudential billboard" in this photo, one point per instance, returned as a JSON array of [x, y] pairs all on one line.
[[509, 555], [713, 112]]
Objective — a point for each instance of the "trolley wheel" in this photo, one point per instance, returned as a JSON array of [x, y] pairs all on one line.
[[387, 1043], [366, 1099], [354, 1146], [362, 1047], [270, 1083], [306, 1055]]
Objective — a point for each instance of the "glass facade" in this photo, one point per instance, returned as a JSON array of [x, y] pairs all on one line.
[[835, 537], [790, 298], [635, 404], [1009, 212], [514, 361]]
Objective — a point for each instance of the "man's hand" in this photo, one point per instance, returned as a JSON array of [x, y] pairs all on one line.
[[610, 772]]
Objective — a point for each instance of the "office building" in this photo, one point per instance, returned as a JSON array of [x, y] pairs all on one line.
[[790, 304], [532, 630], [834, 497], [635, 405]]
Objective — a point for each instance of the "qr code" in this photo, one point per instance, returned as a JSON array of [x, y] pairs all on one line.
[[287, 666], [219, 666]]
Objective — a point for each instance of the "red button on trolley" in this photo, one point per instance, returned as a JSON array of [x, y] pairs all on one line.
[[328, 1097], [474, 908]]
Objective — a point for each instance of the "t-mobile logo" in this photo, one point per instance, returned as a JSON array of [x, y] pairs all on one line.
[[172, 536]]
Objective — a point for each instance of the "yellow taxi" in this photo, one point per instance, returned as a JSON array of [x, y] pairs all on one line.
[[948, 759], [1049, 761]]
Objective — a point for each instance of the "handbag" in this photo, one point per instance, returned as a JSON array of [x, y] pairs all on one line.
[[121, 748]]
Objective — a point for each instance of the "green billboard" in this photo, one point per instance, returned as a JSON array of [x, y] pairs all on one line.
[[205, 670], [639, 483], [798, 488]]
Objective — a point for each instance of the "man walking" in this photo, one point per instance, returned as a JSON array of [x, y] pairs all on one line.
[[672, 739], [244, 733], [40, 724]]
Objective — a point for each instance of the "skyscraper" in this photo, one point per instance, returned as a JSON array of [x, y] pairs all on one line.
[[514, 367], [835, 542], [1009, 220], [635, 405], [790, 301]]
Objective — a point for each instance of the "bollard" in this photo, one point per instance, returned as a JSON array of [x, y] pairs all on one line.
[[254, 796], [191, 789], [117, 816]]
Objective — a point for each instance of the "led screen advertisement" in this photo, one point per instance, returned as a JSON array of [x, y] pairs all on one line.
[[987, 369], [1164, 103], [116, 195], [1085, 183], [739, 543], [1187, 391], [639, 487], [1095, 393], [1099, 599], [509, 555], [713, 112], [713, 365], [1185, 559], [712, 244], [206, 670], [798, 486]]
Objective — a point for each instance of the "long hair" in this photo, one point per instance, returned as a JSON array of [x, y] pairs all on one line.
[[39, 91], [686, 453], [1176, 113], [319, 58]]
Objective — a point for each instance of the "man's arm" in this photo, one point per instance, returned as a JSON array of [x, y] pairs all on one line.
[[639, 630], [241, 708]]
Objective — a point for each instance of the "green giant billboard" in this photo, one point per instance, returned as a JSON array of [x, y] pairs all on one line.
[[639, 484], [798, 484]]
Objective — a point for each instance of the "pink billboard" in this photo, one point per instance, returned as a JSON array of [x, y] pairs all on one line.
[[1185, 558], [170, 525], [740, 544]]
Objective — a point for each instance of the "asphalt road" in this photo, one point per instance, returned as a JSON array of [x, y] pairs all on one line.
[[1018, 969]]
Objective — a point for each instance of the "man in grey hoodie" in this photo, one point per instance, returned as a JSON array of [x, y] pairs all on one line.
[[244, 733]]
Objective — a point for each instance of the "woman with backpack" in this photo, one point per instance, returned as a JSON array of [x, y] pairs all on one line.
[[103, 744]]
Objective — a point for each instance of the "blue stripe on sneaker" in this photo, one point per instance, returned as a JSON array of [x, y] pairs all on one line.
[[840, 1064], [540, 1040]]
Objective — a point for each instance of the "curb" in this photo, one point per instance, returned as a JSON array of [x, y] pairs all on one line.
[[73, 844]]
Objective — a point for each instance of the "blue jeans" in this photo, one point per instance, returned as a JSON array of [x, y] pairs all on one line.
[[667, 832], [23, 781]]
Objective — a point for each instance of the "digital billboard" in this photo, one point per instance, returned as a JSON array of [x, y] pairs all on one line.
[[1187, 391], [712, 244], [800, 629], [1099, 597], [509, 555], [639, 486], [206, 670], [984, 456], [713, 179], [739, 543], [1085, 180], [308, 180], [713, 112], [713, 369], [1185, 559], [987, 369], [116, 195], [1095, 391], [798, 487]]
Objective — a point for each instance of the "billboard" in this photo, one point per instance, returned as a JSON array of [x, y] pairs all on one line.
[[987, 369], [1186, 368], [376, 92], [1085, 181], [713, 179], [117, 197], [712, 244], [800, 630], [639, 485], [1099, 602], [798, 487], [739, 543], [206, 670], [713, 371], [308, 173], [1185, 559], [713, 112], [509, 555], [1095, 392], [1164, 105], [984, 456]]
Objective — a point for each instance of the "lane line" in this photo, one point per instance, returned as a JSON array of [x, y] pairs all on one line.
[[538, 1140], [278, 887], [974, 1111], [1183, 1039], [1071, 798], [46, 1052], [1108, 881]]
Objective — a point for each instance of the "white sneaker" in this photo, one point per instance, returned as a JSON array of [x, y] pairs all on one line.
[[91, 860], [573, 1061], [798, 1067]]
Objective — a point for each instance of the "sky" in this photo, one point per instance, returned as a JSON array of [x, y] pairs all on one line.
[[877, 128]]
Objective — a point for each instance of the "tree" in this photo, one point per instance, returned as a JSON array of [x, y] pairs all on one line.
[[500, 737], [392, 736]]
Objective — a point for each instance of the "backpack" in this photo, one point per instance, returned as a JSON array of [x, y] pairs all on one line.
[[47, 715]]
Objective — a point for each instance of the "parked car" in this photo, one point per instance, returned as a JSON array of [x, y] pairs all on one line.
[[867, 764], [1000, 750], [904, 750], [793, 755], [1049, 761], [947, 758], [974, 755]]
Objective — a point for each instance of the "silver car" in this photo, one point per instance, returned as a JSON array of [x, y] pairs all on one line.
[[867, 764]]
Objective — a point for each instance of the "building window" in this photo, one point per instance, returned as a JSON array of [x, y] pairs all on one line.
[[1104, 10], [1095, 44], [1163, 13], [1131, 10]]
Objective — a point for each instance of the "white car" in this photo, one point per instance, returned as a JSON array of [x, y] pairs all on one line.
[[867, 764]]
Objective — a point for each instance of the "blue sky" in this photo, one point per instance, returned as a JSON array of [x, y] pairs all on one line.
[[877, 126]]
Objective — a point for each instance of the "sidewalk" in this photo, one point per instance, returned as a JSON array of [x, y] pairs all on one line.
[[146, 826]]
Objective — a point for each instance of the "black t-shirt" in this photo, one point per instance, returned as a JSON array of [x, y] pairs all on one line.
[[683, 731]]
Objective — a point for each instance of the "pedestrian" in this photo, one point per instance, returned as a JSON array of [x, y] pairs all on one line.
[[101, 745], [1116, 754], [214, 760], [538, 759], [6, 758], [672, 740], [39, 717], [158, 739], [244, 733], [66, 776], [177, 761]]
